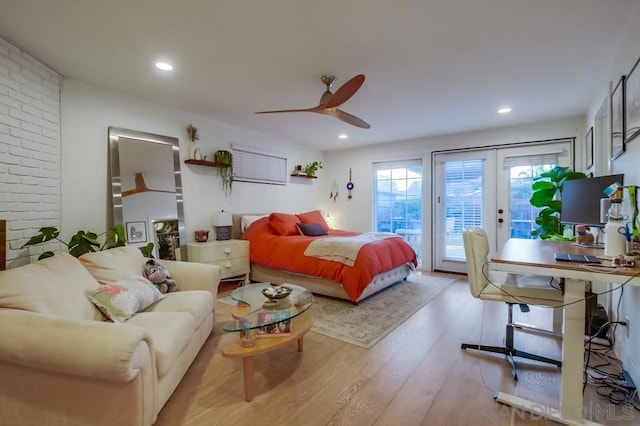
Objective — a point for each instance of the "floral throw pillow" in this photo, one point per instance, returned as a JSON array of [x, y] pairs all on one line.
[[121, 300]]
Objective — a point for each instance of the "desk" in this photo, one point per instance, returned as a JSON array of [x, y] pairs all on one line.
[[537, 257]]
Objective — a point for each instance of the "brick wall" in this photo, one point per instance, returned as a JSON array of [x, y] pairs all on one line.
[[29, 150]]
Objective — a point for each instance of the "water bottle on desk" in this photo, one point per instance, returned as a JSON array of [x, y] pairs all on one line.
[[615, 241]]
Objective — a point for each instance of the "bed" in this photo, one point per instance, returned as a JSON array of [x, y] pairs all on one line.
[[277, 253]]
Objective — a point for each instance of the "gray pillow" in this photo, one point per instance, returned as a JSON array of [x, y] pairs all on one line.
[[311, 229]]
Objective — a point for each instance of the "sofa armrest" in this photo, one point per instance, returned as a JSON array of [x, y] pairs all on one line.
[[87, 348], [194, 276]]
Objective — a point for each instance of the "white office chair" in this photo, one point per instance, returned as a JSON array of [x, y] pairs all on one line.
[[504, 287]]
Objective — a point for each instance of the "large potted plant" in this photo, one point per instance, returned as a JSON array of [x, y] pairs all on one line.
[[547, 194], [84, 241]]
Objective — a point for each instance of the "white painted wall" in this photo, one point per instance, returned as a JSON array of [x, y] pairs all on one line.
[[357, 214], [625, 56], [88, 111]]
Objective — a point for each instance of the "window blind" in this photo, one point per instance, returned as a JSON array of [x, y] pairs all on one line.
[[255, 165]]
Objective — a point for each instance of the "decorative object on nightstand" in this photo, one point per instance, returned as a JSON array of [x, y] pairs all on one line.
[[232, 256], [222, 222], [202, 235]]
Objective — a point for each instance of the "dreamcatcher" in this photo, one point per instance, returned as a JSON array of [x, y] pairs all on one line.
[[333, 195]]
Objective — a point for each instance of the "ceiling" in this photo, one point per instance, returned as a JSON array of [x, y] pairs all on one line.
[[432, 66]]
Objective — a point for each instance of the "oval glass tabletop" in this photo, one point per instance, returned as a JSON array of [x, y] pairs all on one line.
[[255, 310]]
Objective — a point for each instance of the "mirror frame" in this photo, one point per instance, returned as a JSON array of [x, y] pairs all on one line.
[[115, 133]]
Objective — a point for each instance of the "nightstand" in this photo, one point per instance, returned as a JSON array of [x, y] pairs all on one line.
[[232, 256]]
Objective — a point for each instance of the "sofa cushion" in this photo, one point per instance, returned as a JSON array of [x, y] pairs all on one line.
[[170, 332], [121, 300], [115, 264], [54, 286], [198, 303]]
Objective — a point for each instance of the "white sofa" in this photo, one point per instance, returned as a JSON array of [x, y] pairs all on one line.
[[63, 363]]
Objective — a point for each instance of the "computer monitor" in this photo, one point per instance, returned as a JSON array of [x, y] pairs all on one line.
[[581, 199]]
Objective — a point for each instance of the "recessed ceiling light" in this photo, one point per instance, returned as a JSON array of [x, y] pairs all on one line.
[[164, 66], [343, 136], [504, 110]]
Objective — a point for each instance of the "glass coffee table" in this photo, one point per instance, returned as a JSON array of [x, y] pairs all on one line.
[[257, 320]]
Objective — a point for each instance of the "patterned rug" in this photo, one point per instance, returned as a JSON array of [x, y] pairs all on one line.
[[369, 321]]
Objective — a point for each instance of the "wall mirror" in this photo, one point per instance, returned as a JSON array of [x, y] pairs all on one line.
[[146, 188]]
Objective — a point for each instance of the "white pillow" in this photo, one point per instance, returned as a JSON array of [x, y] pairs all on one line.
[[123, 299], [246, 221]]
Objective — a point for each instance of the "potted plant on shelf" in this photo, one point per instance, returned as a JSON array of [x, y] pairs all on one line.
[[547, 194], [224, 162], [311, 168]]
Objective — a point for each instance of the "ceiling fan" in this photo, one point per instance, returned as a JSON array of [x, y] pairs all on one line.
[[329, 102]]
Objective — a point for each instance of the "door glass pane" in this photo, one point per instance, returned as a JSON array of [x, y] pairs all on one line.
[[398, 202], [463, 201], [523, 214]]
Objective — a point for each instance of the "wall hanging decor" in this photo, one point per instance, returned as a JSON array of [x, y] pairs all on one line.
[[617, 120], [333, 195], [632, 103], [350, 185]]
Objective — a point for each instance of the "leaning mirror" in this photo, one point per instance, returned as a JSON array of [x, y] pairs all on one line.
[[146, 191]]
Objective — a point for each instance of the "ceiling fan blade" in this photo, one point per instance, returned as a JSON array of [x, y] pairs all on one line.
[[313, 109], [345, 91], [351, 119]]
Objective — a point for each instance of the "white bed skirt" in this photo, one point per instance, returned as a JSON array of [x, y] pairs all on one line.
[[328, 287]]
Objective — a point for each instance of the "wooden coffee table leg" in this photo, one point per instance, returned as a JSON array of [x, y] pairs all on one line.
[[300, 344], [247, 367]]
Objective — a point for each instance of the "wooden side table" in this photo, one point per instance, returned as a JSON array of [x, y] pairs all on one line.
[[232, 256], [300, 325]]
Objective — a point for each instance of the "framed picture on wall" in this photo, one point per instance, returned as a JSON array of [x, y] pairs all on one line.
[[136, 232], [632, 103], [589, 148], [617, 120]]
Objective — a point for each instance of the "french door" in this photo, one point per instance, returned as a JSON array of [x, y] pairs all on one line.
[[489, 188]]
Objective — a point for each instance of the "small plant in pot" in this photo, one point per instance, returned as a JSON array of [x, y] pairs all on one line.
[[224, 162], [311, 168]]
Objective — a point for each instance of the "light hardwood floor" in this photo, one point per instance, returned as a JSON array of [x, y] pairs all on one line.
[[416, 375]]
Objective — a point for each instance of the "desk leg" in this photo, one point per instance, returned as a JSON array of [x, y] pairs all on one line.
[[247, 369], [573, 349], [570, 412]]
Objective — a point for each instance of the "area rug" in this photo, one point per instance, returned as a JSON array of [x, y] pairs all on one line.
[[366, 323]]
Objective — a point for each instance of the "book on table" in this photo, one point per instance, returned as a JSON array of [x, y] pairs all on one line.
[[274, 324]]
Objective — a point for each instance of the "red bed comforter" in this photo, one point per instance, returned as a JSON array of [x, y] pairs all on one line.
[[287, 253]]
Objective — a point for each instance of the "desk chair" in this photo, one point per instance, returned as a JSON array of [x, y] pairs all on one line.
[[504, 287]]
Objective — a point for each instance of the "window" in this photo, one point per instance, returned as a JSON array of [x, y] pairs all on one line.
[[254, 165], [463, 202], [398, 200]]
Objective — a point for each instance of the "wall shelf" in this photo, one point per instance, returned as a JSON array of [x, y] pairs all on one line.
[[203, 163], [304, 175]]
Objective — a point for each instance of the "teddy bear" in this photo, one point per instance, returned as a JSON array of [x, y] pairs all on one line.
[[159, 276]]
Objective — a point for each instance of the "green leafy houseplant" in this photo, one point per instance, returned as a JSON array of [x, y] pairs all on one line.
[[311, 168], [224, 162], [547, 194], [84, 241]]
